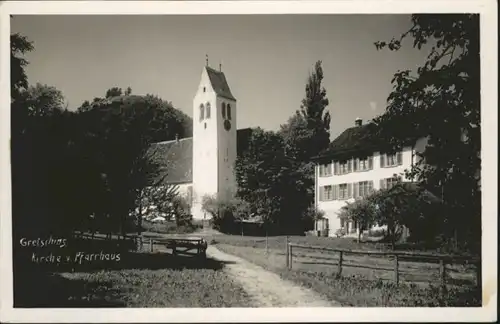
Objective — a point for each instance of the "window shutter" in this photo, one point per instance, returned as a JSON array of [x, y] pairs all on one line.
[[335, 192], [382, 160], [370, 186], [382, 183], [355, 189], [370, 163], [334, 168], [321, 193], [355, 163], [400, 158], [349, 190], [349, 165], [337, 165]]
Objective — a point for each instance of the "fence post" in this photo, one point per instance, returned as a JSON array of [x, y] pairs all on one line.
[[396, 270], [286, 252], [442, 274], [339, 271], [150, 245], [291, 255]]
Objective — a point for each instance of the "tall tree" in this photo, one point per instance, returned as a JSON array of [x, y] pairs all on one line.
[[441, 100], [308, 132], [274, 185], [113, 92], [19, 46]]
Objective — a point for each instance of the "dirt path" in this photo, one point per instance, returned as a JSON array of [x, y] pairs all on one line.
[[266, 288]]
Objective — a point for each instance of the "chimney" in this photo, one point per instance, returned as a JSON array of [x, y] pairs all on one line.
[[358, 122]]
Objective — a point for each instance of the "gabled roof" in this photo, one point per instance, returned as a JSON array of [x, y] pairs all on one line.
[[357, 139], [176, 157], [219, 83]]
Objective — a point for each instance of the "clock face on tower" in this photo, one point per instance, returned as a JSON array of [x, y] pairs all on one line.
[[227, 125]]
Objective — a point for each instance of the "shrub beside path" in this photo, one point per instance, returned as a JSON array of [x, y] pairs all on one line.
[[267, 289]]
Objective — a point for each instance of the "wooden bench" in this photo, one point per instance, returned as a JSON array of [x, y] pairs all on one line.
[[198, 244]]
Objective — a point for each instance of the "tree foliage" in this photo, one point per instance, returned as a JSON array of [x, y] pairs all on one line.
[[307, 132], [95, 161], [276, 187], [404, 205], [19, 46], [225, 211], [441, 100], [362, 212]]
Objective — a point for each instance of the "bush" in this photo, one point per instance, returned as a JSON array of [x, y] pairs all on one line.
[[182, 211], [168, 227], [225, 212], [311, 215], [340, 232], [378, 232]]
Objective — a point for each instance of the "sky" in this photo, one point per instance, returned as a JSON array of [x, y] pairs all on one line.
[[266, 59]]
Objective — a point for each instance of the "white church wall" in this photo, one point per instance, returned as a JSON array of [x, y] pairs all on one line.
[[226, 148], [205, 146]]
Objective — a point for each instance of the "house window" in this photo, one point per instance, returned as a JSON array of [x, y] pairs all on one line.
[[391, 160], [325, 170], [389, 182], [326, 193], [343, 191], [223, 110], [208, 110], [343, 168], [202, 112], [363, 188], [204, 89], [363, 164], [228, 111]]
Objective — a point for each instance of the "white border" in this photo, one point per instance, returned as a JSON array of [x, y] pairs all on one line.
[[489, 79]]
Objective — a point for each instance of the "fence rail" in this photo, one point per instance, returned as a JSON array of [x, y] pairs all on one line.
[[397, 256]]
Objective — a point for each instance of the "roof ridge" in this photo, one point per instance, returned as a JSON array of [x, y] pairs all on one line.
[[174, 140], [212, 69]]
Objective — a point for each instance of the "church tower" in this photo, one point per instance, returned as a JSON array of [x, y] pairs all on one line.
[[214, 140]]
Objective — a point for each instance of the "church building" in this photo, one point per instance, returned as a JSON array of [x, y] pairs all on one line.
[[204, 164]]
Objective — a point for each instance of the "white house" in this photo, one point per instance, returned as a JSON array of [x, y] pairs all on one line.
[[353, 166], [204, 164]]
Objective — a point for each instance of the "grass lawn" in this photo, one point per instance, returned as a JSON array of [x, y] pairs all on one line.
[[161, 288], [137, 280], [169, 227], [360, 284]]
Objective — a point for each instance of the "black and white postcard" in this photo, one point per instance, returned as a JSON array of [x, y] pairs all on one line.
[[249, 161]]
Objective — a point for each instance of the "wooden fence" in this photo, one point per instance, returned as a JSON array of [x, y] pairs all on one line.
[[440, 259]]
